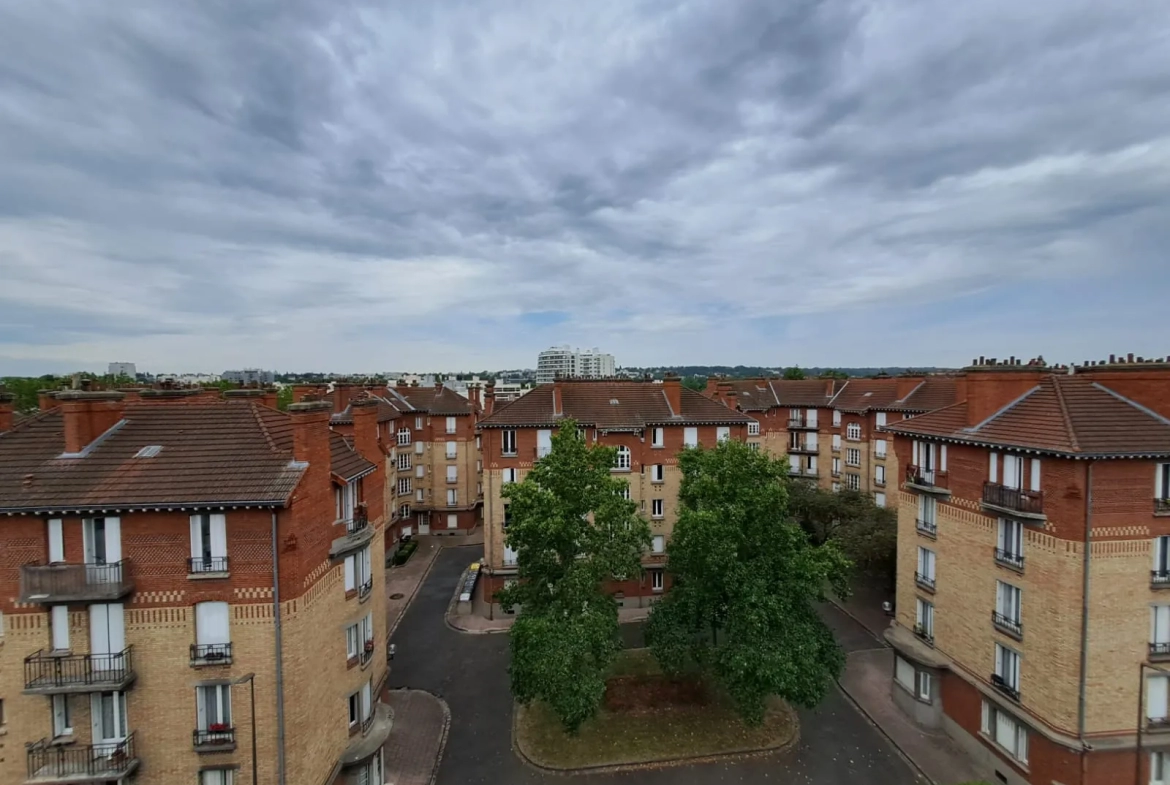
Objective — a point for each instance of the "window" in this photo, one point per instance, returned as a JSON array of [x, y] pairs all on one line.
[[507, 442], [404, 486], [836, 487], [404, 464], [360, 705], [358, 574], [452, 497], [1162, 488], [213, 635], [452, 474], [217, 777], [510, 475], [543, 442], [658, 544], [655, 580], [722, 433], [853, 482], [1007, 733], [622, 460], [925, 574], [403, 436], [1159, 768], [450, 425], [353, 641], [62, 722], [208, 543], [794, 441], [853, 457], [419, 447], [1009, 547], [836, 442], [836, 467], [754, 446], [879, 448], [690, 437], [836, 418], [213, 705], [879, 499], [928, 510], [452, 520], [916, 682], [881, 419], [418, 423], [879, 475], [420, 495], [853, 432], [1008, 604], [59, 627], [452, 452], [753, 428], [1160, 629], [1156, 694], [404, 510], [420, 471], [656, 437], [658, 473], [625, 491], [924, 620], [656, 508], [1007, 668]]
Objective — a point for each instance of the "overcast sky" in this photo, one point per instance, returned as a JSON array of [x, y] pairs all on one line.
[[394, 185]]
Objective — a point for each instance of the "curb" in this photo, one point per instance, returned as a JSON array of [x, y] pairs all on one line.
[[878, 635], [406, 606], [612, 768], [442, 738], [454, 601], [923, 776]]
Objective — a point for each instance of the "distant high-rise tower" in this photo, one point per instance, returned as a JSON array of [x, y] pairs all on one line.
[[122, 369], [568, 363]]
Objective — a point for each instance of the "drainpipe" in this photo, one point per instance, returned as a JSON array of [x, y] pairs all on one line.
[[1085, 618], [280, 766]]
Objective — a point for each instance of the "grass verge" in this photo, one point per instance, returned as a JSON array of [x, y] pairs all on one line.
[[669, 733]]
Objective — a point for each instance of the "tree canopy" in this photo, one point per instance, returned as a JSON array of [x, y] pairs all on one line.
[[793, 373], [867, 534], [572, 530], [746, 578]]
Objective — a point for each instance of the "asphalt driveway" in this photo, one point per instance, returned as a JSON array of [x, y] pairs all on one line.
[[837, 744]]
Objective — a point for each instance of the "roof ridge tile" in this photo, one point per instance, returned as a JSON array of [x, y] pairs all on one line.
[[1001, 411], [1064, 413]]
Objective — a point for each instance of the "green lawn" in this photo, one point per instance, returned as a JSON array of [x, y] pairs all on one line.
[[669, 733]]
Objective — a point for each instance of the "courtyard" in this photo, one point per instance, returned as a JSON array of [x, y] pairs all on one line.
[[469, 672]]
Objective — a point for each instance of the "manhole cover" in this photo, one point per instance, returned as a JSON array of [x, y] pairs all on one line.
[[397, 596]]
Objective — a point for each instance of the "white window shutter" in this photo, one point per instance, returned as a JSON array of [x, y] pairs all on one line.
[[810, 439], [811, 419], [59, 621], [1158, 489], [1035, 478], [56, 541], [917, 453], [113, 539], [196, 537], [1156, 697], [942, 460], [794, 462], [219, 536], [212, 623], [349, 573], [452, 473], [993, 468]]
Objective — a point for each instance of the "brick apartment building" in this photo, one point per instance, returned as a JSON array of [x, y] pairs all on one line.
[[1033, 617], [163, 553], [828, 428], [648, 423], [439, 488]]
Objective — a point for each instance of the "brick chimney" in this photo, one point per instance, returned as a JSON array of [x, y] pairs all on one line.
[[1146, 382], [558, 397], [474, 396], [7, 415], [712, 388], [310, 420], [365, 428], [489, 398], [87, 415], [672, 386], [343, 393], [46, 399]]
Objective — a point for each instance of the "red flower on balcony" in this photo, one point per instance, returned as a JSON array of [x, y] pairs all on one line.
[[218, 727], [369, 645]]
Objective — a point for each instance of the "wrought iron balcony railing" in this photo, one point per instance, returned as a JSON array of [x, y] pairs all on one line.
[[49, 673]]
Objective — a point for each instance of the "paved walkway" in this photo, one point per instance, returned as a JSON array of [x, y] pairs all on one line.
[[838, 746], [417, 738], [478, 624]]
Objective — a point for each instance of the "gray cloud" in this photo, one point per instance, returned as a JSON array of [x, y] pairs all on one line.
[[364, 185]]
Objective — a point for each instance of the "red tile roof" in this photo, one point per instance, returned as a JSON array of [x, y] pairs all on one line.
[[934, 392], [1063, 414], [612, 405], [860, 395], [757, 395], [221, 453], [434, 400]]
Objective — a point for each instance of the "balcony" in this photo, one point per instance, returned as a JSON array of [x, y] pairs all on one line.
[[208, 566], [880, 456], [927, 480], [1009, 559], [46, 673], [924, 582], [1014, 502], [216, 737], [1159, 652], [924, 634], [800, 424], [929, 528], [1160, 579], [804, 449], [358, 534], [96, 763], [75, 583], [365, 589], [1161, 506], [367, 652], [210, 654], [1007, 625], [998, 682]]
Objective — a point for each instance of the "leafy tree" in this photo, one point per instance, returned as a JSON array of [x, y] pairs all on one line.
[[572, 530], [746, 579], [697, 383], [793, 373], [866, 533]]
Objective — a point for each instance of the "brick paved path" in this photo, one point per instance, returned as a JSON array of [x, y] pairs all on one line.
[[416, 741]]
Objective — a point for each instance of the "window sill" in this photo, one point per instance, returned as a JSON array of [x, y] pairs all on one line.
[[1004, 752], [879, 457], [619, 470], [207, 576], [508, 455], [351, 662], [657, 446], [350, 594], [658, 482]]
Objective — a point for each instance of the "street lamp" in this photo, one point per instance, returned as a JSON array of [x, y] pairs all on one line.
[[250, 678]]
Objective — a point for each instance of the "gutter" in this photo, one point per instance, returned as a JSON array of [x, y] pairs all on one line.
[[279, 644], [1085, 581]]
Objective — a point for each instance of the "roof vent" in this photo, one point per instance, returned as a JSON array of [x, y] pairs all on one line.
[[867, 394], [613, 401], [149, 451]]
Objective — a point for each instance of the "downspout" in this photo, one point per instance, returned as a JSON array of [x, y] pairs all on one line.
[[280, 763], [1085, 617]]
